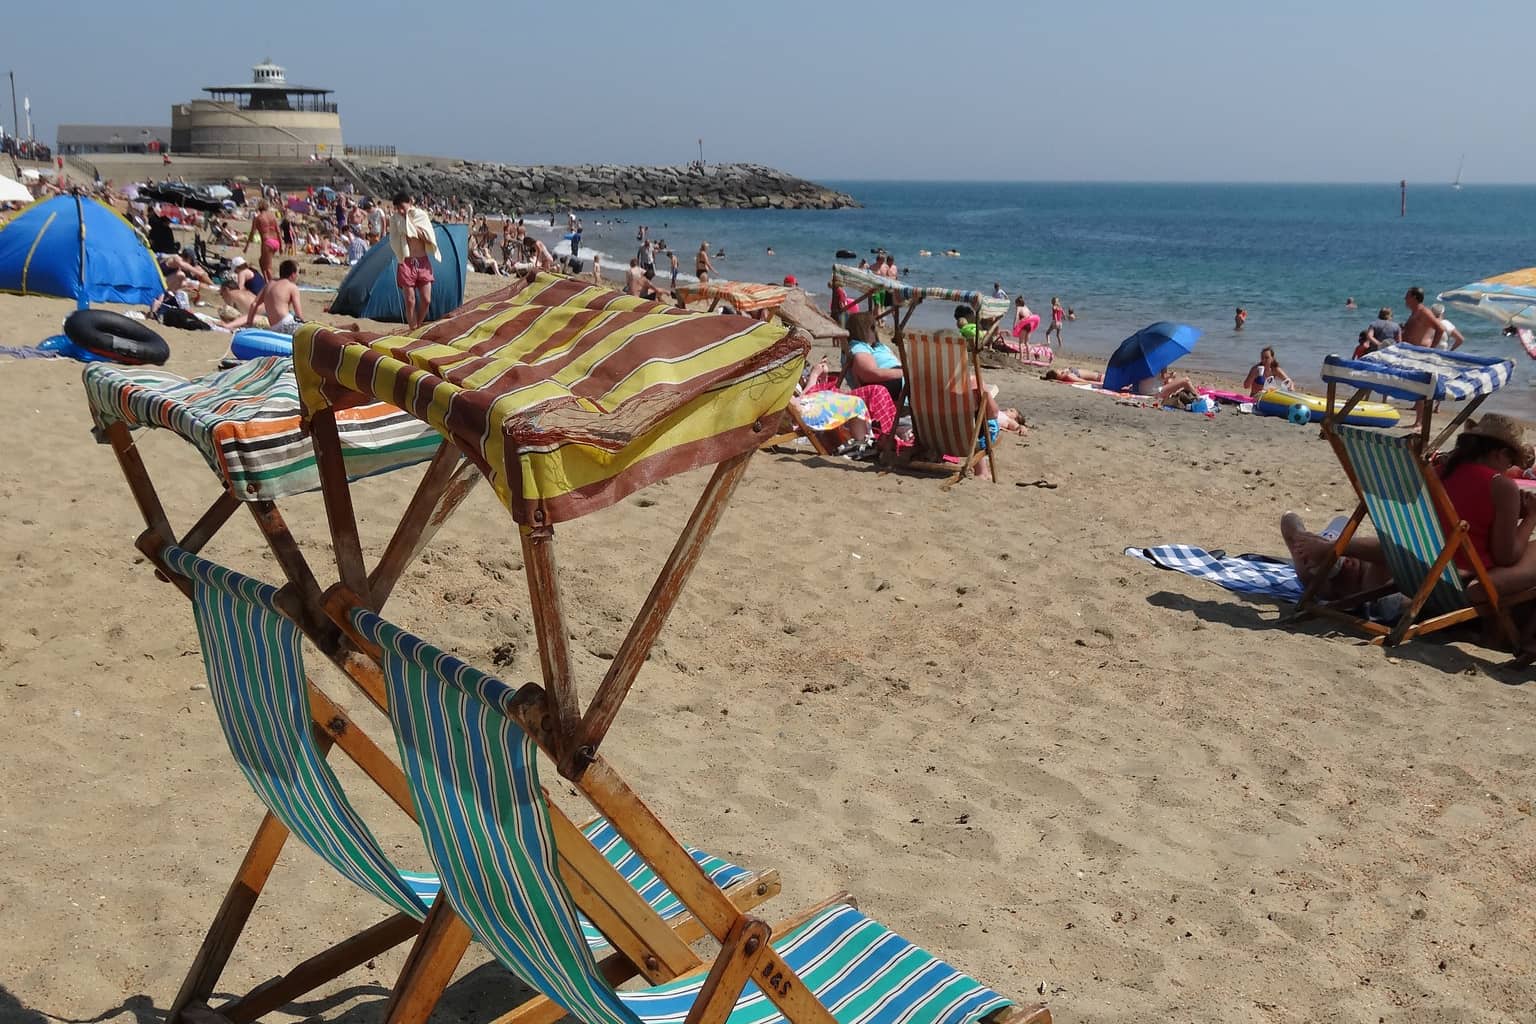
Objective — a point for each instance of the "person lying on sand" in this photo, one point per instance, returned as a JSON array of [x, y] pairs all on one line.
[[1500, 517], [1072, 375], [1177, 391]]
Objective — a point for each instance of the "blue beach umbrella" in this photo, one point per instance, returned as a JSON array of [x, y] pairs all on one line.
[[1508, 299], [1148, 353]]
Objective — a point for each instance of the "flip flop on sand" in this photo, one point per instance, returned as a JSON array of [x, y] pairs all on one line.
[[1041, 483]]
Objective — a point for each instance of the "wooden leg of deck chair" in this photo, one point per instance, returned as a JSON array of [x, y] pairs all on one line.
[[319, 969], [1411, 613], [550, 630], [233, 913], [434, 958], [672, 864], [211, 522], [740, 954], [309, 612], [981, 413], [448, 480], [1031, 1013], [338, 504], [619, 912], [144, 494], [642, 634]]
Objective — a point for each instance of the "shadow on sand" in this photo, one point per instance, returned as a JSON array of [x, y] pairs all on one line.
[[483, 994], [1265, 614]]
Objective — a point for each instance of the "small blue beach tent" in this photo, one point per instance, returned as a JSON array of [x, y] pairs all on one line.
[[369, 289], [75, 247]]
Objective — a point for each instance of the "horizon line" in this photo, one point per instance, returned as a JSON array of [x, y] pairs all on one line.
[[1163, 181]]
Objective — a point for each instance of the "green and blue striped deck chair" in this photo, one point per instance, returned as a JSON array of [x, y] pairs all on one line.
[[256, 678], [474, 776], [1407, 504]]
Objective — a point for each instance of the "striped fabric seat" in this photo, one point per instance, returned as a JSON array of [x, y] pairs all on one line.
[[256, 679], [742, 296], [1411, 373], [245, 422], [943, 400], [568, 396], [1392, 484], [854, 279], [474, 776]]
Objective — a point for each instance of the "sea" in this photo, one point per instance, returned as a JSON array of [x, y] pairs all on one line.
[[1125, 255]]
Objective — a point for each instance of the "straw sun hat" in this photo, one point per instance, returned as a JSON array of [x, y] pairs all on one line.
[[1499, 428]]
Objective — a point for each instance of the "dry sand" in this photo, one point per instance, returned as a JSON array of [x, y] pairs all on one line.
[[1064, 770]]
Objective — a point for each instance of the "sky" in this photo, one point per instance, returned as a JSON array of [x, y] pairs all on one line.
[[1183, 90]]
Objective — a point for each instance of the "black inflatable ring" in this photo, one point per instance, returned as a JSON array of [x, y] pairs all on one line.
[[116, 337], [847, 254]]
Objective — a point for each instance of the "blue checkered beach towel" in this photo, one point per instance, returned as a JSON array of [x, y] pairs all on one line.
[[1253, 575]]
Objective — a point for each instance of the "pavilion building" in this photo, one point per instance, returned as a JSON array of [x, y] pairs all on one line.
[[265, 117]]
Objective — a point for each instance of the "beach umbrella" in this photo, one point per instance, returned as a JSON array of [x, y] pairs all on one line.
[[1148, 353], [1508, 299]]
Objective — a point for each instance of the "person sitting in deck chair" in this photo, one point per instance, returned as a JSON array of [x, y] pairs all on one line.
[[1500, 517]]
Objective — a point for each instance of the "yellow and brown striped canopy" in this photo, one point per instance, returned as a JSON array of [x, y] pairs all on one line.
[[566, 395]]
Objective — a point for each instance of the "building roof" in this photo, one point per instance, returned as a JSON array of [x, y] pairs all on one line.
[[266, 77], [110, 134], [266, 87]]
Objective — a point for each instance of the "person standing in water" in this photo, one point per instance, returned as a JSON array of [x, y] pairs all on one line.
[[1240, 318], [1058, 317]]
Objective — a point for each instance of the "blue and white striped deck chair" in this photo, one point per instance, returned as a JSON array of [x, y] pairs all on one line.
[[1407, 504], [1419, 375], [255, 670], [474, 776]]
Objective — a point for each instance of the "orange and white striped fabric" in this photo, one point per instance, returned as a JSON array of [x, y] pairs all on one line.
[[742, 296], [940, 392]]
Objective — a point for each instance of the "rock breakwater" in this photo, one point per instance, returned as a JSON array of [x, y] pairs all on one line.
[[509, 187]]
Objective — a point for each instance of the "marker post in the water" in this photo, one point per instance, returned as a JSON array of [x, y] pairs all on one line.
[[1402, 201]]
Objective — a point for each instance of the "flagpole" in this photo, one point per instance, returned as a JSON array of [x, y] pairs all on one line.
[[16, 127]]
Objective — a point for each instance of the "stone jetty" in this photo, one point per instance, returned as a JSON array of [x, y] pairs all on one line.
[[509, 187]]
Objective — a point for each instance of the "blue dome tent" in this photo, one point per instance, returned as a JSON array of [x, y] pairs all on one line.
[[78, 248], [369, 289]]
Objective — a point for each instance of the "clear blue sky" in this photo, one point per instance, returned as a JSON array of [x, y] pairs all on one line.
[[1189, 90]]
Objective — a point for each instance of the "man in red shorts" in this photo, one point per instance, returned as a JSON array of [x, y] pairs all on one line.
[[412, 238]]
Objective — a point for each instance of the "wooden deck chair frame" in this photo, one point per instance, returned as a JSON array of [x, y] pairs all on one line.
[[745, 953], [1457, 542], [793, 429], [605, 897], [976, 412], [579, 732]]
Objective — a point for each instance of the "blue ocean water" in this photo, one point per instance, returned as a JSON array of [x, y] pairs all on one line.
[[1125, 255]]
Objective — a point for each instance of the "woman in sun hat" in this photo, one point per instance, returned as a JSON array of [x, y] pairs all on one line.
[[1479, 478]]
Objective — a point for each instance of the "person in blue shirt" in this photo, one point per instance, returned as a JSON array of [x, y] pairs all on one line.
[[870, 360]]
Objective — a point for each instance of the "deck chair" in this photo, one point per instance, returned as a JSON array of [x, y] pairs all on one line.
[[1403, 495], [947, 418], [255, 669], [468, 745], [793, 430]]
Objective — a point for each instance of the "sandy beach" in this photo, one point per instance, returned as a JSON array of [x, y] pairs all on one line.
[[1075, 776]]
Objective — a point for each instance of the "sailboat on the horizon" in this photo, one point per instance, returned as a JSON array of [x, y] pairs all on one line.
[[1456, 185]]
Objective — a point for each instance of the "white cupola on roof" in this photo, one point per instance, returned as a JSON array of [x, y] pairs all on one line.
[[267, 73]]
